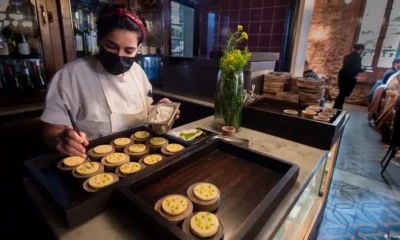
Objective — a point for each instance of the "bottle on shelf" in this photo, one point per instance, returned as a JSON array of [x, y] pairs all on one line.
[[88, 37], [78, 39], [23, 47], [14, 78], [12, 45], [93, 33], [27, 75], [40, 75], [3, 46], [3, 81]]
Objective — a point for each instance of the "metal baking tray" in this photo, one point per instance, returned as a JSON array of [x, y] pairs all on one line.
[[66, 195]]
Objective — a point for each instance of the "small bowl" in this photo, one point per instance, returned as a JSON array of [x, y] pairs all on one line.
[[309, 114], [330, 110], [322, 119], [326, 114], [291, 112], [315, 108], [228, 131]]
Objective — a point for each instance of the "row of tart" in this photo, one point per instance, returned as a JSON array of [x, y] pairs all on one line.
[[109, 163], [205, 199], [135, 149]]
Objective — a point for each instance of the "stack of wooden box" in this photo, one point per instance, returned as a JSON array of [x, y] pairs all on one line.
[[310, 90], [275, 82]]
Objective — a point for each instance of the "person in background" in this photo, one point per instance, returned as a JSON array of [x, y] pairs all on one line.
[[347, 75], [309, 73], [395, 67]]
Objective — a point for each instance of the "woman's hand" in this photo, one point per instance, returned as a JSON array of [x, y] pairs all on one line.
[[71, 144], [166, 100]]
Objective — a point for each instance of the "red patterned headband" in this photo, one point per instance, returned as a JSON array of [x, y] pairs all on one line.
[[122, 12]]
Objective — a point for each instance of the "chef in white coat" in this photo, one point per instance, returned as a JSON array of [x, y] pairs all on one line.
[[106, 93]]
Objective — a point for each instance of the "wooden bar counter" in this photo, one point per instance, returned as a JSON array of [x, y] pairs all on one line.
[[299, 212]]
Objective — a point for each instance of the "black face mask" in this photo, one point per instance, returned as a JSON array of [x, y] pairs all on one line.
[[115, 64]]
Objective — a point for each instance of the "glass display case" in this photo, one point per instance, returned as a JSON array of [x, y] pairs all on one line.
[[303, 217], [26, 52]]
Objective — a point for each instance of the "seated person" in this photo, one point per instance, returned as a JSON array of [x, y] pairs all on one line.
[[392, 84], [309, 73], [395, 67]]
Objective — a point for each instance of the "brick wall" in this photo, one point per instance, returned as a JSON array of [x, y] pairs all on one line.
[[264, 20], [330, 32]]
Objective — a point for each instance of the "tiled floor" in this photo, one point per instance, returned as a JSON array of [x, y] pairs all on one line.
[[362, 204]]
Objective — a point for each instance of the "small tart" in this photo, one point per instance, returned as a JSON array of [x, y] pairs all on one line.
[[102, 149], [122, 141], [130, 167], [205, 191], [115, 158], [101, 180], [157, 141], [137, 148], [174, 148], [152, 159], [174, 205], [73, 161], [87, 168], [204, 224], [142, 134]]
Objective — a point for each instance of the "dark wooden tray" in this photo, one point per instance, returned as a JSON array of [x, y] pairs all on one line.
[[251, 185], [266, 115], [67, 195]]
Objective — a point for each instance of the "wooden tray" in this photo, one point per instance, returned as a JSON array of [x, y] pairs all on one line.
[[266, 115], [66, 194], [251, 187]]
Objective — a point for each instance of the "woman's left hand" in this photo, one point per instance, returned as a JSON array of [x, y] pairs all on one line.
[[166, 100]]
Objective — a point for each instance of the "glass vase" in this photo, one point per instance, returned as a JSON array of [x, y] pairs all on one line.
[[228, 102]]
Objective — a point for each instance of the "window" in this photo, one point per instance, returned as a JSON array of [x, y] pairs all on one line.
[[378, 35], [374, 14], [390, 48]]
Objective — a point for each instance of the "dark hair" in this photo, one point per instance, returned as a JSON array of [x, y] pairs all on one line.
[[358, 46], [110, 23], [395, 61], [306, 63]]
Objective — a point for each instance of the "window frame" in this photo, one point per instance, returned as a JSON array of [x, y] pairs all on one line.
[[382, 34]]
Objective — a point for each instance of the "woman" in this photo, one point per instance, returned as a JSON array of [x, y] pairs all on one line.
[[107, 93], [393, 84]]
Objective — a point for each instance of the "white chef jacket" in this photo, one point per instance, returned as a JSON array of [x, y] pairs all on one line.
[[100, 102]]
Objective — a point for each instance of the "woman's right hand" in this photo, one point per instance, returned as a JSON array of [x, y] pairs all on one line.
[[71, 144]]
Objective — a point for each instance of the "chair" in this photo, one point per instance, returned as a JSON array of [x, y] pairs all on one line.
[[387, 108], [395, 141]]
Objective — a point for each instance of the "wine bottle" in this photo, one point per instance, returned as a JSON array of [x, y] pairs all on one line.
[[88, 37], [27, 75], [3, 46], [3, 80], [78, 40], [40, 75], [23, 47], [92, 34], [14, 77]]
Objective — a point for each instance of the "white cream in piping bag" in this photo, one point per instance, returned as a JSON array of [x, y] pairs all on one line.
[[163, 114]]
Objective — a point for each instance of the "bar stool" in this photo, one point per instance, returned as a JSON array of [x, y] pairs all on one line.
[[395, 142]]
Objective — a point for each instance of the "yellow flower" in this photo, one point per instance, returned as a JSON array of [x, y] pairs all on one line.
[[240, 27], [245, 36]]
